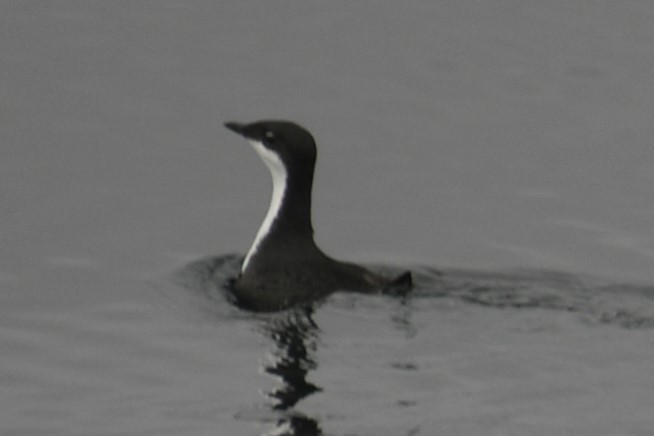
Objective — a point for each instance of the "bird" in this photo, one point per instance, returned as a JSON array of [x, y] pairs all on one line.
[[284, 267]]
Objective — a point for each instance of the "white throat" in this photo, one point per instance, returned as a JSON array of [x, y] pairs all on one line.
[[279, 177]]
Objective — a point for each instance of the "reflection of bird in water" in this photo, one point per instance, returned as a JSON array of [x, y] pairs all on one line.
[[295, 337], [298, 426]]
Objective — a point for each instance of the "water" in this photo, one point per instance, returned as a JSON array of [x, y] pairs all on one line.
[[505, 144]]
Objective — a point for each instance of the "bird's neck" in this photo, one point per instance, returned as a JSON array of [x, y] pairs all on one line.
[[286, 230]]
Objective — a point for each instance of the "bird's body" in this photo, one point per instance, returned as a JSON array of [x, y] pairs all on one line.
[[284, 267]]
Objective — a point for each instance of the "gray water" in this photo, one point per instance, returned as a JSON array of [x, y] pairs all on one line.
[[505, 144]]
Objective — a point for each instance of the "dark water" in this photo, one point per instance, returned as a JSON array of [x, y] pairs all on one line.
[[506, 144]]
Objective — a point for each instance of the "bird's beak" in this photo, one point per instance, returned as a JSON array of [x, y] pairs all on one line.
[[236, 127]]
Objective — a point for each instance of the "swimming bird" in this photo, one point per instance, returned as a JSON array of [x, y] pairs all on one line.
[[284, 267]]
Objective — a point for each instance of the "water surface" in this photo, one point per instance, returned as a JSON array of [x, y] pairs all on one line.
[[504, 143]]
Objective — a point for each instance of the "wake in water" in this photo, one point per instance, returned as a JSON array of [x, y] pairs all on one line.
[[594, 300], [293, 337]]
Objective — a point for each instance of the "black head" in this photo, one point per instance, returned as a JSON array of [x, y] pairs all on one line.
[[292, 143]]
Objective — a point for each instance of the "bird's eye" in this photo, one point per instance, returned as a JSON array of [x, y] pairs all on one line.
[[269, 135]]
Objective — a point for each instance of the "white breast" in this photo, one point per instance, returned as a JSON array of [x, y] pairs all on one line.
[[279, 177]]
